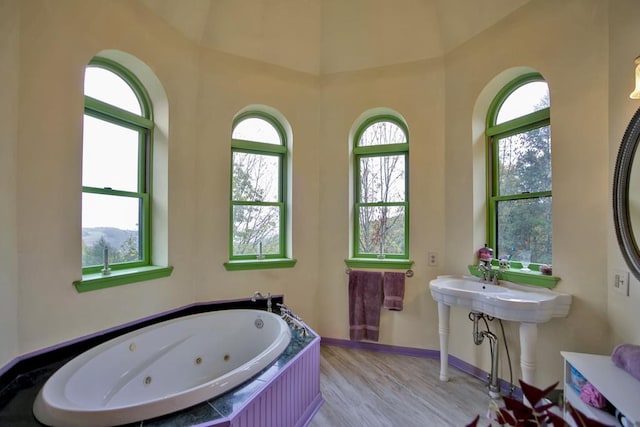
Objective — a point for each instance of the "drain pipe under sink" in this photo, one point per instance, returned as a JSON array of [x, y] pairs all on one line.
[[478, 338]]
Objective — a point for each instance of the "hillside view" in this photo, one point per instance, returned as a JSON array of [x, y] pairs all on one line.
[[122, 244]]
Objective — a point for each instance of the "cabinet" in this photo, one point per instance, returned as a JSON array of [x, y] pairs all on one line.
[[616, 385]]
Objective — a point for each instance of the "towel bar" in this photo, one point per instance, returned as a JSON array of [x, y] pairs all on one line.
[[408, 273]]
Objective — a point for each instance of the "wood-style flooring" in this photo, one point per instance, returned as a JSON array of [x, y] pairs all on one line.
[[374, 389]]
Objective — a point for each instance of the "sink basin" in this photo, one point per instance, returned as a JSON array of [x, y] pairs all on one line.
[[528, 305], [508, 301]]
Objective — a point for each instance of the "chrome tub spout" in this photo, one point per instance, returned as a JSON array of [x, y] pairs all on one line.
[[258, 296]]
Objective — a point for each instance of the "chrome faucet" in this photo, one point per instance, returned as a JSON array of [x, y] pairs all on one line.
[[257, 295], [293, 320], [488, 273], [485, 269]]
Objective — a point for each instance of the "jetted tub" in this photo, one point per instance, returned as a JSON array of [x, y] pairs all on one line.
[[161, 368]]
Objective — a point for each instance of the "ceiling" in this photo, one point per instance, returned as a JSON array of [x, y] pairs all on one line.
[[330, 36]]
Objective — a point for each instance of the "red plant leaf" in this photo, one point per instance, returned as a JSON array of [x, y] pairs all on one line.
[[503, 416], [533, 394], [556, 420], [582, 420], [545, 407], [474, 423], [516, 413], [519, 409]]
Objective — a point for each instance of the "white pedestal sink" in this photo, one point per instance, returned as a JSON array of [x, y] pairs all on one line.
[[527, 305]]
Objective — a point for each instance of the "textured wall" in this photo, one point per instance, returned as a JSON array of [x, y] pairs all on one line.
[[567, 43], [624, 34], [9, 75]]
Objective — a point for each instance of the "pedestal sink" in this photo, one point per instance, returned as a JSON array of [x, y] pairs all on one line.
[[527, 305]]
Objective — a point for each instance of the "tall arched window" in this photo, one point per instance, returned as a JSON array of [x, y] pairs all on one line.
[[259, 159], [381, 208], [116, 160], [519, 171]]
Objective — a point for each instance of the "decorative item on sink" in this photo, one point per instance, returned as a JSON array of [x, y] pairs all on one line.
[[504, 263], [485, 253], [525, 260]]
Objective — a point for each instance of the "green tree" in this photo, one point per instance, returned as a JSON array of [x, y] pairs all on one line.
[[255, 225], [525, 167], [129, 250], [382, 180], [94, 255]]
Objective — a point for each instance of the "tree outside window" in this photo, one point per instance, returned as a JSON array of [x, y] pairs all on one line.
[[519, 152], [258, 188], [381, 210]]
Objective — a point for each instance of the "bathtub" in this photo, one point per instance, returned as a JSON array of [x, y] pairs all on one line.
[[161, 368]]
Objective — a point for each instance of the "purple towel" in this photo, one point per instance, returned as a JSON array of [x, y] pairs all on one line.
[[393, 290], [365, 299], [627, 357]]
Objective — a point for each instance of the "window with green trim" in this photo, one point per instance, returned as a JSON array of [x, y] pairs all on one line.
[[381, 209], [519, 171], [116, 165], [258, 188]]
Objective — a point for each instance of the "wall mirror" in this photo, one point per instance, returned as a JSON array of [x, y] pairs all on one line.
[[626, 195]]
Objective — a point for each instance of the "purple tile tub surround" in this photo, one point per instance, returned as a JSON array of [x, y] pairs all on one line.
[[301, 358]]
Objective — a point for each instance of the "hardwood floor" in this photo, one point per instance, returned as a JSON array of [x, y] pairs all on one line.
[[374, 389]]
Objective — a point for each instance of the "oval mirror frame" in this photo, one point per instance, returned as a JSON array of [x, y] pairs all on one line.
[[621, 182]]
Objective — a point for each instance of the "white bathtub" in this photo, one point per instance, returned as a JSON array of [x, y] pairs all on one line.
[[161, 368]]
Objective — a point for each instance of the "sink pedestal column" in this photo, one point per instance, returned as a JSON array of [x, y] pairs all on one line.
[[443, 330], [528, 342]]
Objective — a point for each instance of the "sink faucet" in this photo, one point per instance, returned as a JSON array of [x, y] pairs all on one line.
[[488, 273], [257, 295]]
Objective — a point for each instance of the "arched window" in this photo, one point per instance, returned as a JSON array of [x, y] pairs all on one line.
[[381, 208], [116, 160], [519, 171], [259, 159]]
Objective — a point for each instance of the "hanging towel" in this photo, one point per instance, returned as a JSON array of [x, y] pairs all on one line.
[[627, 357], [393, 290], [365, 299]]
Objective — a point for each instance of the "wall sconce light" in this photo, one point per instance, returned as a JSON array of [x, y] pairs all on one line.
[[636, 92]]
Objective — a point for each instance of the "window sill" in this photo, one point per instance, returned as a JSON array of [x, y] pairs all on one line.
[[515, 275], [259, 264], [393, 264], [95, 281]]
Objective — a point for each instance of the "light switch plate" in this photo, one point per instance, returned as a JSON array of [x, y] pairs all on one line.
[[620, 281]]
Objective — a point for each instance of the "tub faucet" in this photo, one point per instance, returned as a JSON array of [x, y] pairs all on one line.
[[257, 295], [293, 320]]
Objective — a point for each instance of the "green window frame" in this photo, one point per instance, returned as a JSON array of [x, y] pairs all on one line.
[[132, 262], [381, 201], [531, 241], [258, 232]]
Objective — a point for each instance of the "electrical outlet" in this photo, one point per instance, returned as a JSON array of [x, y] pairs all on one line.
[[621, 282], [432, 259]]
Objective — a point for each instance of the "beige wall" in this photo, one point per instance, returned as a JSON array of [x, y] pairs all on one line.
[[57, 40], [227, 85], [415, 91], [9, 41], [567, 43], [624, 47], [443, 101]]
